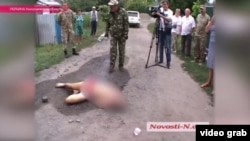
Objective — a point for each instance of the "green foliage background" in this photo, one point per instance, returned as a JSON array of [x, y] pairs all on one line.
[[138, 5], [196, 8]]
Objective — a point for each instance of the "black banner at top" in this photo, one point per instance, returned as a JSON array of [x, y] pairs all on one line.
[[223, 132]]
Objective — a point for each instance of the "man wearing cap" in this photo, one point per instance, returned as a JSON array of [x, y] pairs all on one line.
[[118, 27], [66, 20], [200, 35], [94, 20]]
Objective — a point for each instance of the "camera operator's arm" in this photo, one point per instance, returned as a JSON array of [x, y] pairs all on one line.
[[168, 19]]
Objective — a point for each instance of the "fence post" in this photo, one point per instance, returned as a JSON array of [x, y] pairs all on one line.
[[37, 42]]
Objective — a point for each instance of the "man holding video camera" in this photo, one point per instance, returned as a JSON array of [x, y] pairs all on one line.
[[165, 28]]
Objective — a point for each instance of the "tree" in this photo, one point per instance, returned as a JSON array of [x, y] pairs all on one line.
[[85, 5], [196, 8], [183, 4], [104, 11]]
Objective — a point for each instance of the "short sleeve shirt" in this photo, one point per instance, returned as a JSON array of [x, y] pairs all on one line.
[[202, 22]]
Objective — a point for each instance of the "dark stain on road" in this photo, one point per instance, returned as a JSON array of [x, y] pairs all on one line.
[[97, 67]]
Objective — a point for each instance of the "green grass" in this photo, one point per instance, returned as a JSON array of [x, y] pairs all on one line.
[[198, 72], [48, 55], [151, 27]]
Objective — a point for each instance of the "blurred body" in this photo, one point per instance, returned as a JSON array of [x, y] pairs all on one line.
[[210, 63], [102, 94]]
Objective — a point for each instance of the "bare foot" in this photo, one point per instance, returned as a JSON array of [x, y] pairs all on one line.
[[207, 84], [60, 85]]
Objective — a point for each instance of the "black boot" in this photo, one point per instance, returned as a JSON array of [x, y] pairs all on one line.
[[66, 54], [74, 52]]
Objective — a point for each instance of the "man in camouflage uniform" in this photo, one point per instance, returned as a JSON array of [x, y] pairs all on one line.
[[66, 20], [200, 35], [118, 27]]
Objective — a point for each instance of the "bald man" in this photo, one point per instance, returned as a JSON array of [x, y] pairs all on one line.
[[187, 28]]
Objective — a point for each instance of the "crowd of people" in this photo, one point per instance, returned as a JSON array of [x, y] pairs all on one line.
[[72, 26], [173, 26]]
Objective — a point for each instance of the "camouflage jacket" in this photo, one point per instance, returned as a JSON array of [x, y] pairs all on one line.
[[66, 19], [201, 25], [117, 24]]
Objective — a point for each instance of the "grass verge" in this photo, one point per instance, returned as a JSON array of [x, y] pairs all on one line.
[[51, 54], [198, 72], [151, 27]]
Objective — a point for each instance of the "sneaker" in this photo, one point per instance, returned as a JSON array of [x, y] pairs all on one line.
[[168, 65]]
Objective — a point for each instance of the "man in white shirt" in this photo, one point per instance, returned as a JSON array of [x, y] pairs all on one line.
[[94, 20], [187, 28], [176, 30], [166, 15]]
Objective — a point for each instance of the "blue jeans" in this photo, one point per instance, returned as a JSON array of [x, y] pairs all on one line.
[[165, 43]]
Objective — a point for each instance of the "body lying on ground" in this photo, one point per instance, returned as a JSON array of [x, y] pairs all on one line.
[[100, 93]]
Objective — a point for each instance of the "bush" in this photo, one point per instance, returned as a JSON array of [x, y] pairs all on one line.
[[87, 21], [104, 11], [196, 8], [138, 6]]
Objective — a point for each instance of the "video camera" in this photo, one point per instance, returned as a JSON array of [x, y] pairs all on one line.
[[153, 10]]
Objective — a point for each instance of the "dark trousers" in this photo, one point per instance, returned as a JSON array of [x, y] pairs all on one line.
[[165, 44], [93, 27], [186, 41]]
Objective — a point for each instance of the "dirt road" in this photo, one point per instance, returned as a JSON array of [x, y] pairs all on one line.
[[154, 94]]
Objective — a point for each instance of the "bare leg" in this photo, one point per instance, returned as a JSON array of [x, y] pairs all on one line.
[[75, 98], [210, 79], [74, 86]]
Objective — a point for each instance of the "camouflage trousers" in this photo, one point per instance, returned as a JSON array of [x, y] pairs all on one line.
[[68, 37], [113, 51], [200, 48]]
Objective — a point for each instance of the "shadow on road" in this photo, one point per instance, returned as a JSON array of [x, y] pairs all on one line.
[[97, 67]]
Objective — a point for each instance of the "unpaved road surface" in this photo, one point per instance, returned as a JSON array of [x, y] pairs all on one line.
[[154, 94]]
